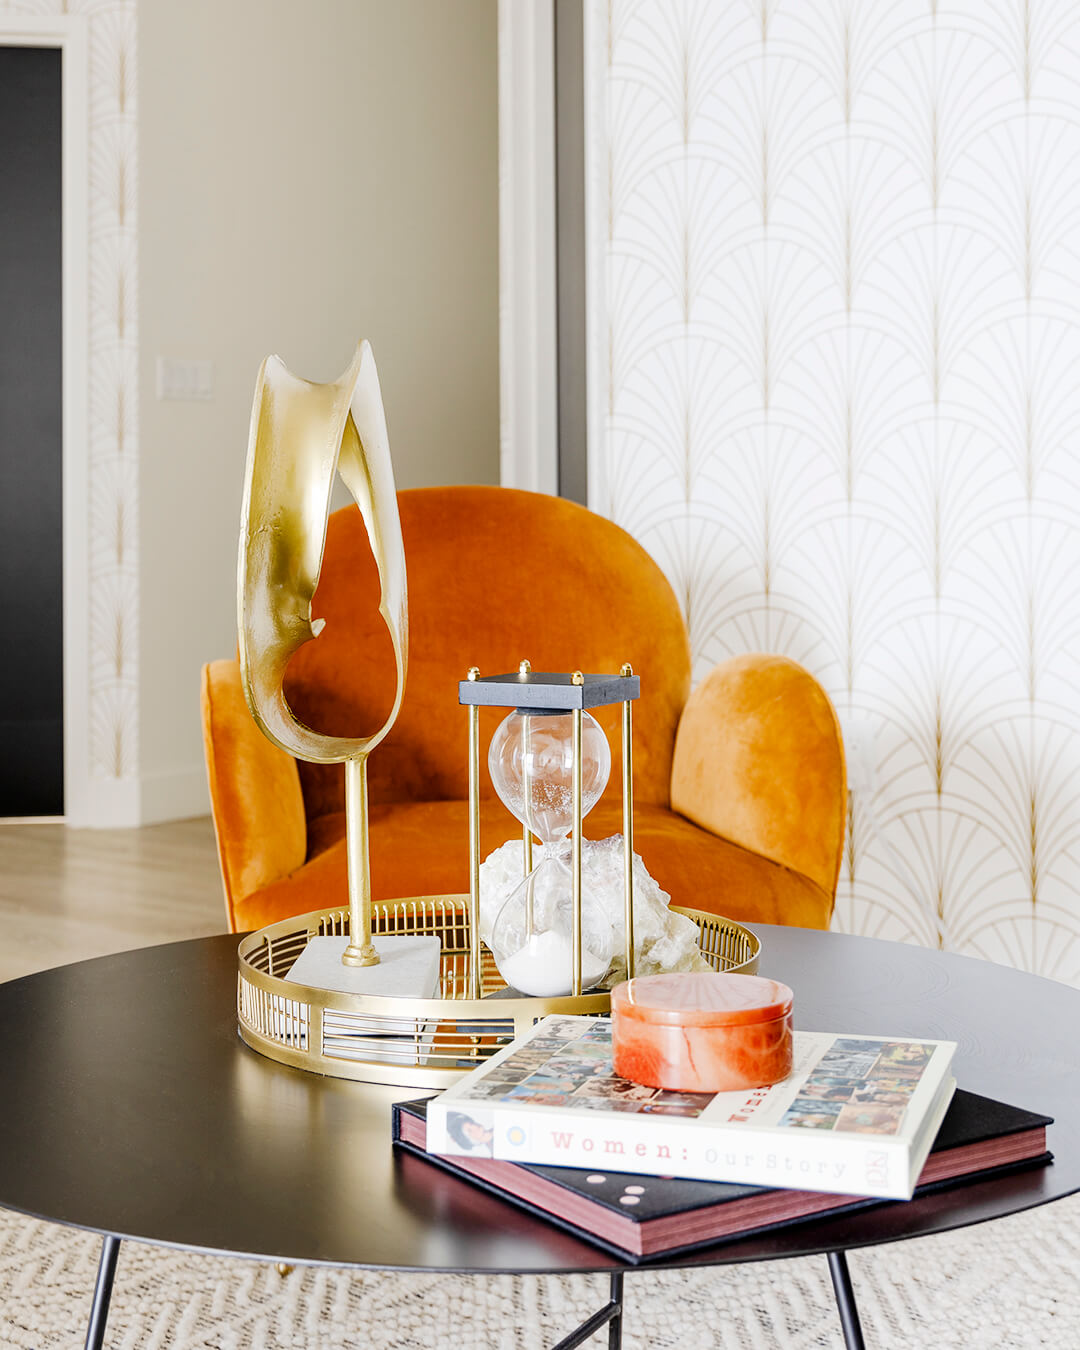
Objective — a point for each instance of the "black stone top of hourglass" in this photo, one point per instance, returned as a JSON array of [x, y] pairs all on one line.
[[540, 692]]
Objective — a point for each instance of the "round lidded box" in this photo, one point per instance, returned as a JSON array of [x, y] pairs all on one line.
[[705, 1032]]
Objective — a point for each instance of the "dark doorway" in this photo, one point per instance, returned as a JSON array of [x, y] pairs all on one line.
[[31, 525]]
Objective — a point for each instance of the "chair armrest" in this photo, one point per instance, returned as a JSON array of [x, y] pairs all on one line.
[[254, 791], [759, 760]]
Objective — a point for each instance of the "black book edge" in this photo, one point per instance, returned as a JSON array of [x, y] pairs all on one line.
[[508, 1197], [449, 1165], [639, 1259]]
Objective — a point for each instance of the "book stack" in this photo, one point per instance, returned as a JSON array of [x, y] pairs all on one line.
[[547, 1125]]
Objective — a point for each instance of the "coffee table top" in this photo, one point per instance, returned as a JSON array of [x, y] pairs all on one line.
[[132, 1107]]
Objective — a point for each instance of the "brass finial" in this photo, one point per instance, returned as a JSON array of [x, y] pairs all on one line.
[[524, 668], [627, 669], [474, 672], [577, 678]]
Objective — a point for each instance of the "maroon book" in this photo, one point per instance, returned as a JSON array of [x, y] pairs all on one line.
[[639, 1216]]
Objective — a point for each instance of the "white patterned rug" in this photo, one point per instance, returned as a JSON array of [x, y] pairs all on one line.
[[1013, 1283]]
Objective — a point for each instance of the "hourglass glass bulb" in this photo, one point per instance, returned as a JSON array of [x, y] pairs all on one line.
[[531, 760]]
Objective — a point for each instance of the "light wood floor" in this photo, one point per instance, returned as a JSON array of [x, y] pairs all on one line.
[[68, 894]]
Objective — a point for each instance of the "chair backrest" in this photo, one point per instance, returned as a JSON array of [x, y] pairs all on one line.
[[495, 575]]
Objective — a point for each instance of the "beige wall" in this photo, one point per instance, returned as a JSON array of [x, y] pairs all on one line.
[[308, 174]]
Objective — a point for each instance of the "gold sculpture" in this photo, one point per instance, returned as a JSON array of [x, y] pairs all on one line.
[[301, 434]]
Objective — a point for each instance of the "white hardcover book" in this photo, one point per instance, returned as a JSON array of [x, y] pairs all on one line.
[[857, 1115]]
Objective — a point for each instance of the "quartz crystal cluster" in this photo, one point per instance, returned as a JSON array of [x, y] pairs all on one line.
[[663, 941]]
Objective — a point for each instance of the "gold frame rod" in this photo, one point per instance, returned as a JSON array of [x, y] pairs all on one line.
[[526, 830], [576, 851], [474, 845], [628, 825], [525, 668]]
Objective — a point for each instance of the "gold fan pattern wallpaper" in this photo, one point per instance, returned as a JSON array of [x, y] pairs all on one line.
[[834, 388], [112, 368]]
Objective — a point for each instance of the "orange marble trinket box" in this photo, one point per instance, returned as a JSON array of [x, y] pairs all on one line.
[[702, 1032]]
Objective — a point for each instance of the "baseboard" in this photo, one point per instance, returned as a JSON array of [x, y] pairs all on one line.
[[102, 803], [176, 794], [124, 803]]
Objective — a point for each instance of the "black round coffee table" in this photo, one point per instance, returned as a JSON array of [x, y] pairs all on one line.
[[134, 1109]]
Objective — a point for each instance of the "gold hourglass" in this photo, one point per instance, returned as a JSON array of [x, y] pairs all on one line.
[[549, 763]]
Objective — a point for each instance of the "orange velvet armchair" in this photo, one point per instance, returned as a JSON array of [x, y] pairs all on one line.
[[739, 788]]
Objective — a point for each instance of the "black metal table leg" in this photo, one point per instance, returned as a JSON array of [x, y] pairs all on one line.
[[611, 1313], [615, 1325], [99, 1310], [845, 1301]]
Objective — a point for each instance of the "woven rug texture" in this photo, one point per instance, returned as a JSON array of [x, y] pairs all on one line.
[[1012, 1283]]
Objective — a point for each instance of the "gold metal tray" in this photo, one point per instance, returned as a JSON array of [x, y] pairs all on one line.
[[422, 1043]]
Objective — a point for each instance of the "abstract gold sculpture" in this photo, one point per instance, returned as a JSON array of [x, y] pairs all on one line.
[[301, 435]]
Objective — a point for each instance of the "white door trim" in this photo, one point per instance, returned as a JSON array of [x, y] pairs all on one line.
[[528, 363], [68, 32]]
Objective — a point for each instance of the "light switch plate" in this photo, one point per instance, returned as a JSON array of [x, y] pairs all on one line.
[[192, 380]]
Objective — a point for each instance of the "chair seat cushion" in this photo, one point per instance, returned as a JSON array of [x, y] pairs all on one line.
[[422, 848]]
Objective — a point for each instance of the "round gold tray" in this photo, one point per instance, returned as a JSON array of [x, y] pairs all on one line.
[[423, 1043]]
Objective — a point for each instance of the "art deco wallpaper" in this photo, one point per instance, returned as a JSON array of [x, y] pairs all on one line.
[[834, 384]]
